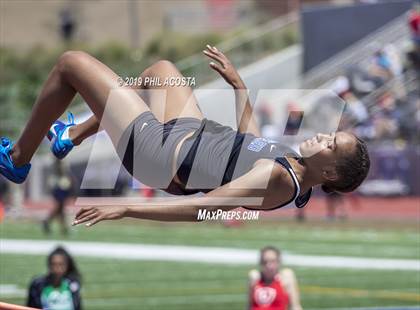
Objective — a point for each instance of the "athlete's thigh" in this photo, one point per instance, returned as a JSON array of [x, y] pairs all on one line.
[[169, 102], [116, 107]]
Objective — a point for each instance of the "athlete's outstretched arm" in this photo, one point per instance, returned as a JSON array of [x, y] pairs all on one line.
[[259, 189], [244, 117]]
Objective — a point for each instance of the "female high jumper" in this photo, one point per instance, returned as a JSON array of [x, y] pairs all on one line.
[[197, 154]]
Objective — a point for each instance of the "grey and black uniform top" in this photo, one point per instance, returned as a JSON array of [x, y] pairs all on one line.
[[213, 156]]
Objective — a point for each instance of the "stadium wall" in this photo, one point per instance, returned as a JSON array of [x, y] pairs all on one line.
[[327, 30]]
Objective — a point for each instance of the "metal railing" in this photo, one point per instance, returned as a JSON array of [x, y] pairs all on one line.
[[409, 84]]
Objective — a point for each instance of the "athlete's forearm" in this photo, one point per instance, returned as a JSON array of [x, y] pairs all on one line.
[[187, 209], [176, 210], [244, 113], [170, 213], [225, 68], [243, 191], [162, 212]]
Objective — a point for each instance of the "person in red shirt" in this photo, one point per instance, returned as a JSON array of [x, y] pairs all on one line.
[[414, 22], [414, 25], [271, 288]]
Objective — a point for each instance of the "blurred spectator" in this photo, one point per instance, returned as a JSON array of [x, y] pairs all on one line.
[[269, 130], [271, 288], [355, 108], [67, 25], [380, 68], [355, 111], [386, 121], [61, 185], [382, 95], [378, 104], [4, 189], [59, 289], [414, 23], [148, 192], [360, 81], [335, 206], [264, 114], [414, 58], [294, 120], [300, 214], [394, 59], [340, 85]]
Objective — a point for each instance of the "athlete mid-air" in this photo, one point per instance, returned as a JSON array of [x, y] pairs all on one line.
[[195, 155]]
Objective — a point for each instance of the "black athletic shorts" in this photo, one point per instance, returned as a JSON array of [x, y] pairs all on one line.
[[147, 147]]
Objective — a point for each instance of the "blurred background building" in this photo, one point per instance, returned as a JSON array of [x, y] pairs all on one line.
[[133, 23]]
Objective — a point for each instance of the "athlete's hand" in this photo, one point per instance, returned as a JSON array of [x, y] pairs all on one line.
[[93, 215], [224, 67]]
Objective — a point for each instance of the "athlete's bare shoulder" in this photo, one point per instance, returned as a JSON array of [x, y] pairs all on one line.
[[254, 276]]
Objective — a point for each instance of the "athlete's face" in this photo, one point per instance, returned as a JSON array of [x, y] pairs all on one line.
[[324, 150], [270, 264], [58, 266]]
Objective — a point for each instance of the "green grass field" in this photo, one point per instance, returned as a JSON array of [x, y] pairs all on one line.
[[121, 284]]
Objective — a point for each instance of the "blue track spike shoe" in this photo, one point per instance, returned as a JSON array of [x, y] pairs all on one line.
[[61, 144], [7, 168]]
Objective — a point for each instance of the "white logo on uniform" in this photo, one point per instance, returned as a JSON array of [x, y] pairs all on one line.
[[257, 144], [265, 295], [271, 148], [142, 126]]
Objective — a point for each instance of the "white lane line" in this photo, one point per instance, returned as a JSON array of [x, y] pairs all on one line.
[[214, 255], [11, 290]]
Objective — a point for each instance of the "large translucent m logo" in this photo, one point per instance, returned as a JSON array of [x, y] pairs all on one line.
[[152, 165]]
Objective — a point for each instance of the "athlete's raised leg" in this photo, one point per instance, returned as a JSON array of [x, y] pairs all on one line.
[[179, 101], [170, 103], [79, 72]]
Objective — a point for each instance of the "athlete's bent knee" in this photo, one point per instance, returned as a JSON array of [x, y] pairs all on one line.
[[162, 66], [70, 59]]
